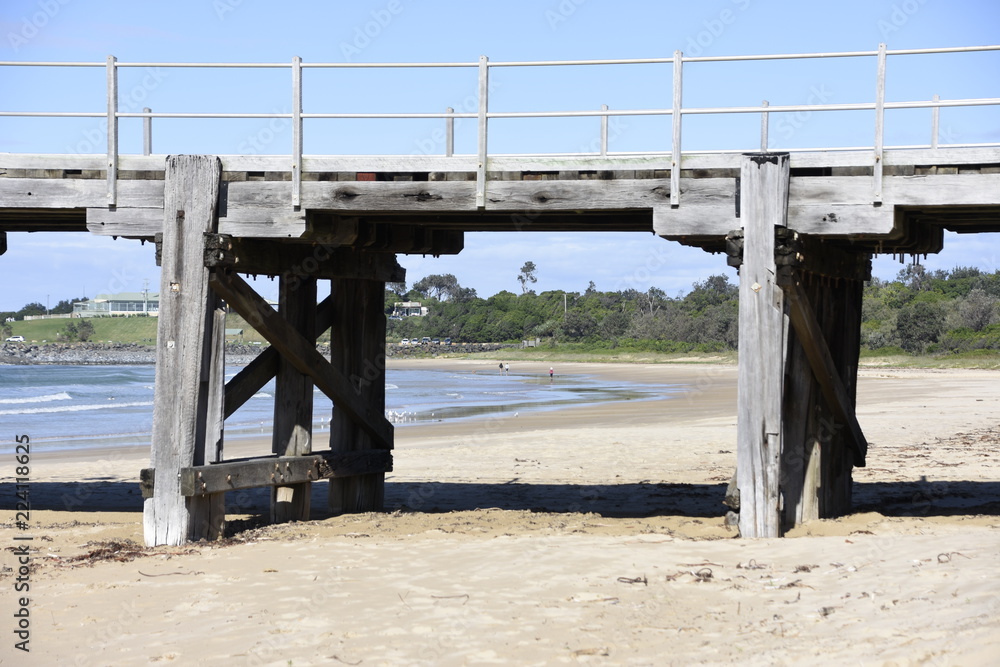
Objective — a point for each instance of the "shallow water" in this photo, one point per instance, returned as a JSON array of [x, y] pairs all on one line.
[[79, 407]]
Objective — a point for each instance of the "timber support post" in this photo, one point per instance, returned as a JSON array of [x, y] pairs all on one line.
[[800, 322], [293, 399], [188, 394], [763, 206], [357, 349]]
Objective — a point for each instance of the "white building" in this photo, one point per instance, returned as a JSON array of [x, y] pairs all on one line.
[[408, 309], [121, 304]]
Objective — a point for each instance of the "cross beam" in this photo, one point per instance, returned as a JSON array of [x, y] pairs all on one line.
[[301, 354]]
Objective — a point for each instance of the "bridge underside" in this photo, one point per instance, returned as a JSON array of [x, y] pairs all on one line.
[[801, 227]]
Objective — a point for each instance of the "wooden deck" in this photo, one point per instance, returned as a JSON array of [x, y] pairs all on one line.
[[424, 204]]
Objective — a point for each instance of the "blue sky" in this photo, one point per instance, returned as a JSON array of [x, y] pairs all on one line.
[[51, 267]]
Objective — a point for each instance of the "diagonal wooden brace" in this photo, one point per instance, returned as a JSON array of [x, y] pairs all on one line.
[[810, 334], [264, 367], [301, 354]]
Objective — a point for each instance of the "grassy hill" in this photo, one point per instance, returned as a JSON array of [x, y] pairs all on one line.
[[140, 330]]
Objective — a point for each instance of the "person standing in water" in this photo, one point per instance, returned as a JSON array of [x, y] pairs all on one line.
[[501, 368], [506, 369], [550, 373]]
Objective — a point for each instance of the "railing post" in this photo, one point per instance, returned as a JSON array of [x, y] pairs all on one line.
[[763, 127], [296, 132], [935, 123], [147, 132], [604, 132], [675, 118], [112, 161], [449, 134], [879, 125], [484, 87]]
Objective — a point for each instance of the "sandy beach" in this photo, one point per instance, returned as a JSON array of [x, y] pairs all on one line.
[[590, 534]]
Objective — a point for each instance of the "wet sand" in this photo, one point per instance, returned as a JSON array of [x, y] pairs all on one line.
[[589, 534]]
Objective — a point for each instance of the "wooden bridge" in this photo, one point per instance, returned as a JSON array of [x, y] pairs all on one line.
[[802, 226]]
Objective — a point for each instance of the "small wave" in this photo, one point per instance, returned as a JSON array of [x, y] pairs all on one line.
[[61, 396], [76, 408], [262, 394], [391, 386]]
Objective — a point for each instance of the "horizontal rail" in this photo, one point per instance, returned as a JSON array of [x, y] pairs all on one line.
[[53, 114], [518, 63], [790, 108]]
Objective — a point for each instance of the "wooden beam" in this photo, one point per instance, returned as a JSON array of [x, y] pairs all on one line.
[[763, 206], [208, 514], [467, 163], [77, 193], [136, 221], [272, 471], [183, 352], [252, 378], [298, 261], [825, 205], [810, 335], [293, 399], [294, 347], [357, 349], [282, 470], [448, 196]]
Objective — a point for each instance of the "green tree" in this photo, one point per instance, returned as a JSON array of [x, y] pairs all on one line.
[[441, 287], [70, 331], [33, 308], [918, 325], [578, 325], [65, 306], [527, 275], [84, 330], [978, 309]]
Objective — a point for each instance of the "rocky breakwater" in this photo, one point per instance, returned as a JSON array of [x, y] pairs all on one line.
[[77, 353], [101, 353]]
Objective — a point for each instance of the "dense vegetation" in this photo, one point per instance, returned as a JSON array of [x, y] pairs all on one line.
[[703, 320], [935, 312], [919, 312]]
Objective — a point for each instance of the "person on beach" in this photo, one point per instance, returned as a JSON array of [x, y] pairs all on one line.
[[501, 368], [550, 373], [506, 369]]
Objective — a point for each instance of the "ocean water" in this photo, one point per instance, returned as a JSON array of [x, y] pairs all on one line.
[[78, 407]]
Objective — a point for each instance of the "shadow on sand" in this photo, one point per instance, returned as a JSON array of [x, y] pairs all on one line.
[[918, 498]]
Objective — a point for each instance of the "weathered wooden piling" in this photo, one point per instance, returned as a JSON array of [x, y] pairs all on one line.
[[187, 405], [800, 318]]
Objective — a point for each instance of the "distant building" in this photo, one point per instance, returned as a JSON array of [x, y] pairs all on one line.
[[408, 309], [122, 304]]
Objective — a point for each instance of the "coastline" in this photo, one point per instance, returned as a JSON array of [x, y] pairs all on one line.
[[585, 534]]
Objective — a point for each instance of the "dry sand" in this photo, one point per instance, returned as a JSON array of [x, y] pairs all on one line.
[[588, 535]]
